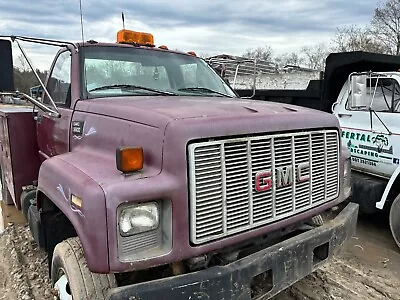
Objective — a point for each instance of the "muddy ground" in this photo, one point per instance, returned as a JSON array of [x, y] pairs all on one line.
[[368, 267]]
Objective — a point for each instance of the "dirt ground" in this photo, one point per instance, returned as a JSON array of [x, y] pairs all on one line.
[[366, 268], [23, 268]]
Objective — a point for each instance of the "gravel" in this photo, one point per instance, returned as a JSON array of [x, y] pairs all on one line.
[[23, 267]]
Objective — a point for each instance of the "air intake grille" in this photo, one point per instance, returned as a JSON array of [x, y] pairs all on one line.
[[239, 184]]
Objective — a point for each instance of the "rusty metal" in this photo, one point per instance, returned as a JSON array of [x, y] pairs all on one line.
[[178, 268]]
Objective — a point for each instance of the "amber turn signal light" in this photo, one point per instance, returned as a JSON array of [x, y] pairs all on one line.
[[129, 159]]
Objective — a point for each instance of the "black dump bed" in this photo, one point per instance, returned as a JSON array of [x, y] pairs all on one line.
[[321, 94]]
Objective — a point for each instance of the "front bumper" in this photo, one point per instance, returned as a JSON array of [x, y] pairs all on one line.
[[287, 262]]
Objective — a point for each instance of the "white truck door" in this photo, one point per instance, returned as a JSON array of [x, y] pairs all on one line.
[[367, 112]]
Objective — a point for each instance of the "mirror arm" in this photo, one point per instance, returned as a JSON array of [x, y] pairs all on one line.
[[370, 117], [37, 77], [39, 104], [380, 120], [254, 78]]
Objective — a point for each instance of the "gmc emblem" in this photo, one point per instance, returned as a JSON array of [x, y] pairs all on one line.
[[284, 177]]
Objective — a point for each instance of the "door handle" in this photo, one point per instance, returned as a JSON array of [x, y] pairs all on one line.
[[340, 115]]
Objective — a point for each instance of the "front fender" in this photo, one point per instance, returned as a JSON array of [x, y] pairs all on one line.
[[59, 178], [389, 186]]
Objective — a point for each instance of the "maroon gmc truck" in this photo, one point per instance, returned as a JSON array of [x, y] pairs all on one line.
[[143, 175]]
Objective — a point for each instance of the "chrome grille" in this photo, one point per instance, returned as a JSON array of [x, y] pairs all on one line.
[[223, 197]]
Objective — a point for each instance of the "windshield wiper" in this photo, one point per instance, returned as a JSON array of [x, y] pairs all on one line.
[[131, 87], [204, 90]]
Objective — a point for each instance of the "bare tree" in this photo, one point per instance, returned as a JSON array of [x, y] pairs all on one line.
[[315, 56], [22, 64], [354, 38], [289, 59], [386, 24], [260, 53]]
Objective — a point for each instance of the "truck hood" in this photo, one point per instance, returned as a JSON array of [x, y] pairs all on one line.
[[158, 111], [163, 125]]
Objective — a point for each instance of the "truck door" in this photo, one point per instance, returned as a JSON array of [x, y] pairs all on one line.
[[368, 123], [385, 120], [53, 133]]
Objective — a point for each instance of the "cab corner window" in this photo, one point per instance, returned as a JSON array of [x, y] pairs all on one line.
[[59, 83], [378, 93]]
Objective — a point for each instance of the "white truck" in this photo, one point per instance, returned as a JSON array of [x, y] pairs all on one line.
[[363, 91], [368, 110]]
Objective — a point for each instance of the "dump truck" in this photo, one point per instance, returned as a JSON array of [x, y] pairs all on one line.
[[143, 175]]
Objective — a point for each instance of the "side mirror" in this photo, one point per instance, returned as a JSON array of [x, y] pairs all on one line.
[[6, 63], [358, 91]]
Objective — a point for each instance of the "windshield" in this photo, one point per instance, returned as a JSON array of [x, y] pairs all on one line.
[[118, 71]]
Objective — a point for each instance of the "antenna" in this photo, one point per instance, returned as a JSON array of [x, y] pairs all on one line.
[[123, 21], [80, 9], [83, 43]]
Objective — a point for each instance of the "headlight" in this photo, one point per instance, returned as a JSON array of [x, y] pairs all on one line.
[[347, 178], [139, 218]]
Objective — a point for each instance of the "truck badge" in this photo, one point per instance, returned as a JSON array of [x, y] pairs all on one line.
[[77, 128], [284, 177]]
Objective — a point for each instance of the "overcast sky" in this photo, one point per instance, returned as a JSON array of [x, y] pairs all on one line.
[[203, 26]]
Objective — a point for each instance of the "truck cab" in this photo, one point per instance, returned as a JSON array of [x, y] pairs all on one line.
[[156, 180], [367, 109]]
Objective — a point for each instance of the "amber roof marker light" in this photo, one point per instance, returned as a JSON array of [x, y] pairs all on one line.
[[129, 159], [125, 36]]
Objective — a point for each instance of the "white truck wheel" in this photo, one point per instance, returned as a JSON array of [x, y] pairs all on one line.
[[394, 220], [71, 276]]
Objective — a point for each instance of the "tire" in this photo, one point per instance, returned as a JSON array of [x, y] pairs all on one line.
[[367, 190], [27, 199], [394, 220], [81, 283]]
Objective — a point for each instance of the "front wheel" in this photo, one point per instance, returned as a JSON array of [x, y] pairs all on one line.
[[71, 276], [28, 198], [394, 220]]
